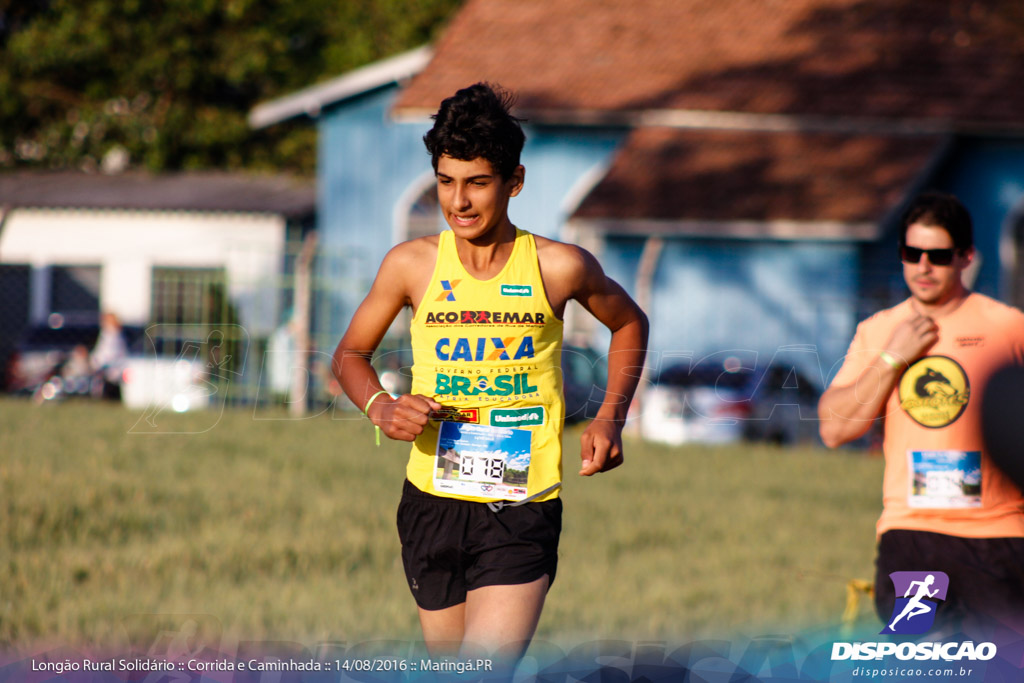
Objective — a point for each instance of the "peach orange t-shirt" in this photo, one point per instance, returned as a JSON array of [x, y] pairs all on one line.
[[938, 476]]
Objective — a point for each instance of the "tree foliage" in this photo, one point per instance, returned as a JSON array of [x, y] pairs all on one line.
[[167, 84]]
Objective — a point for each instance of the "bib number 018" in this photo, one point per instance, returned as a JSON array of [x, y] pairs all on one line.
[[482, 468]]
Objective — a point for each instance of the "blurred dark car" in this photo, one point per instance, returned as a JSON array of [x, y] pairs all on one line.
[[725, 402], [45, 349]]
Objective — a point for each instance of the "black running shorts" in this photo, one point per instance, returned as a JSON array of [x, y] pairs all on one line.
[[986, 576], [453, 546]]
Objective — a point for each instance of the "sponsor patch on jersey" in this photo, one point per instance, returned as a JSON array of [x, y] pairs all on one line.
[[451, 414], [934, 391], [447, 290], [484, 318], [516, 290], [483, 348], [972, 341], [509, 384], [517, 417]]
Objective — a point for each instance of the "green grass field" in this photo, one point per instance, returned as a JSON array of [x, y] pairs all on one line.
[[276, 529]]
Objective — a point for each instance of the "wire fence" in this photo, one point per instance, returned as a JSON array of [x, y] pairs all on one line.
[[266, 339], [240, 339]]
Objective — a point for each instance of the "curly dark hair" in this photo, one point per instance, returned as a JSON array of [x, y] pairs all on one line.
[[940, 210], [475, 123]]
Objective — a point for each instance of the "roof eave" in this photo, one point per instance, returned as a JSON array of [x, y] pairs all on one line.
[[311, 101], [696, 119], [772, 229]]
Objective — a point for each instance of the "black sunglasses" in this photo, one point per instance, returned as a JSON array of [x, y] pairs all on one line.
[[936, 257]]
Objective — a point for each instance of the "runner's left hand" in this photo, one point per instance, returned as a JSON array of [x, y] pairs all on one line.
[[601, 447]]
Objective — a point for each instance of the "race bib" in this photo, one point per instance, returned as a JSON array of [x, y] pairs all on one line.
[[482, 461], [945, 479]]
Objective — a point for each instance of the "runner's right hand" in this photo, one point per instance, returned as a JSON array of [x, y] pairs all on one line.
[[912, 338], [402, 418]]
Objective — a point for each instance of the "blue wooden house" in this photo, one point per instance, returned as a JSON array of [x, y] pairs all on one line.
[[738, 166]]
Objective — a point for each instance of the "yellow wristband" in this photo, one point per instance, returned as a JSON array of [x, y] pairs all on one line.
[[366, 412], [891, 360]]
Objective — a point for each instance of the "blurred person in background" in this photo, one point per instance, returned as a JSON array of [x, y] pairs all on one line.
[[109, 354], [921, 366]]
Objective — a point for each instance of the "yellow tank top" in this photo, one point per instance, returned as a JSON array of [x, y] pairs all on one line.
[[489, 351]]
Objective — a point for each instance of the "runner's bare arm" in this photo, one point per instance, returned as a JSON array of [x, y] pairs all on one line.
[[847, 412], [402, 418], [575, 274]]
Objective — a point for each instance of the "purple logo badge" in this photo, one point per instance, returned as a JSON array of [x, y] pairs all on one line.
[[917, 597]]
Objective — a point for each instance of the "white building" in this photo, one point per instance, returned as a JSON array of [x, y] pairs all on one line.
[[147, 248]]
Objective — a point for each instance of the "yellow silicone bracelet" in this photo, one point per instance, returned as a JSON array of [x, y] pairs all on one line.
[[367, 414], [891, 360]]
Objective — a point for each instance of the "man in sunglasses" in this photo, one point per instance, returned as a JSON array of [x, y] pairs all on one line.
[[921, 367]]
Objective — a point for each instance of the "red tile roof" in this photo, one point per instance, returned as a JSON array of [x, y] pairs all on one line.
[[685, 175], [960, 61]]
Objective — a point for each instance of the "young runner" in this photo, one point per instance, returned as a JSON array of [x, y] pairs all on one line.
[[480, 515]]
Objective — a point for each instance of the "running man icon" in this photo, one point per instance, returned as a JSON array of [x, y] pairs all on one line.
[[921, 594], [915, 606]]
